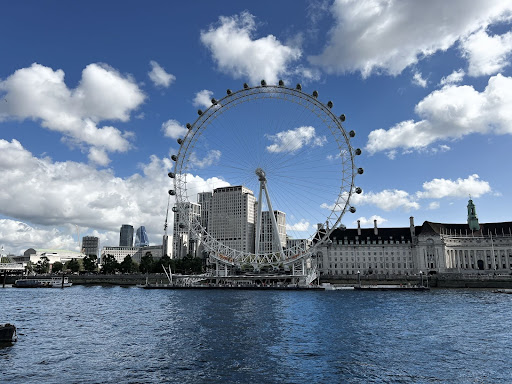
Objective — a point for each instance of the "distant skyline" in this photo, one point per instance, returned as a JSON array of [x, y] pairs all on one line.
[[93, 96]]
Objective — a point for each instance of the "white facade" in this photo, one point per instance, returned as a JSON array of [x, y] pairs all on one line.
[[232, 217], [183, 243], [136, 253], [53, 255], [267, 242]]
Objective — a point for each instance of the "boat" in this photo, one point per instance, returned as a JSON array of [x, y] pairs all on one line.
[[54, 282], [8, 333]]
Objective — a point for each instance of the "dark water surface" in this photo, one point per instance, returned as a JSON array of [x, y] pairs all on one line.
[[131, 335]]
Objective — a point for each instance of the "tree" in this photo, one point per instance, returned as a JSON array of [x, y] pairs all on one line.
[[57, 267], [127, 265], [90, 263], [43, 265], [146, 263], [73, 265], [110, 265]]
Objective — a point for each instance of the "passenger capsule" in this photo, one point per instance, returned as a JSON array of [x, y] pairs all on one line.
[[342, 117], [352, 209], [246, 85], [281, 83], [358, 151], [189, 126], [228, 92], [172, 192], [359, 190], [352, 134], [172, 175], [315, 94], [180, 141], [174, 157], [360, 171], [175, 209], [263, 83], [329, 104], [298, 87], [199, 112], [214, 101]]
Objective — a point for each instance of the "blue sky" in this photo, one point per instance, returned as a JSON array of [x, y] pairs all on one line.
[[94, 95]]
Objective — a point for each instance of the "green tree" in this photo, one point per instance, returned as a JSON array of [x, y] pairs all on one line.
[[73, 265], [43, 265], [147, 263], [90, 263], [127, 265], [57, 267], [110, 265]]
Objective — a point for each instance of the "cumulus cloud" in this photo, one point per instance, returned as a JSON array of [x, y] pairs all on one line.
[[439, 188], [418, 80], [173, 129], [237, 53], [381, 36], [451, 113], [203, 98], [387, 200], [301, 226], [159, 77], [212, 157], [487, 55], [39, 93], [434, 205], [367, 222], [294, 139], [44, 194], [453, 78]]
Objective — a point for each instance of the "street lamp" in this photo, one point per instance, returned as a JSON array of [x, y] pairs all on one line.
[[421, 274], [359, 278]]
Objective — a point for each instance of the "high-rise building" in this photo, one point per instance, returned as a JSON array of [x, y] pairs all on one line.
[[141, 237], [183, 243], [232, 217], [126, 236], [90, 245], [267, 236], [204, 199]]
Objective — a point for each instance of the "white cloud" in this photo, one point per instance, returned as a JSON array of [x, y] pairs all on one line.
[[439, 188], [387, 200], [294, 139], [434, 205], [212, 157], [46, 194], [388, 36], [453, 78], [173, 129], [364, 221], [203, 98], [158, 75], [98, 156], [39, 93], [301, 226], [451, 113], [418, 80], [486, 54], [237, 53]]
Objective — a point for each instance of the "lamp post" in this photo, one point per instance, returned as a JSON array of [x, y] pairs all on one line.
[[359, 278], [421, 274]]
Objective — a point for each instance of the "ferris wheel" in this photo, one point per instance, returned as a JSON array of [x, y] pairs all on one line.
[[284, 148]]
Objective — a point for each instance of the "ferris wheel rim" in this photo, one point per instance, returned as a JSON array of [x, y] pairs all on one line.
[[232, 256]]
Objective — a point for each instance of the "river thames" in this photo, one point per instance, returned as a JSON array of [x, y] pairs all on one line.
[[131, 335]]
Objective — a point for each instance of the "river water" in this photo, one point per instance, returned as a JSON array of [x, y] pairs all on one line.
[[131, 335]]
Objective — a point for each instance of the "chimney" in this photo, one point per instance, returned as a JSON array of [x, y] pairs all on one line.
[[358, 227], [375, 229], [413, 229]]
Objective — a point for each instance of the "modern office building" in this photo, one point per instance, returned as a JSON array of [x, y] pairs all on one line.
[[267, 236], [204, 199], [126, 236], [90, 245], [232, 217], [184, 242], [141, 237]]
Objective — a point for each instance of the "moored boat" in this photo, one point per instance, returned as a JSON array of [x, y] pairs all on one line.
[[54, 282], [8, 333]]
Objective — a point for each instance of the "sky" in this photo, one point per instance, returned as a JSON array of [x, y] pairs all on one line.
[[93, 96]]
